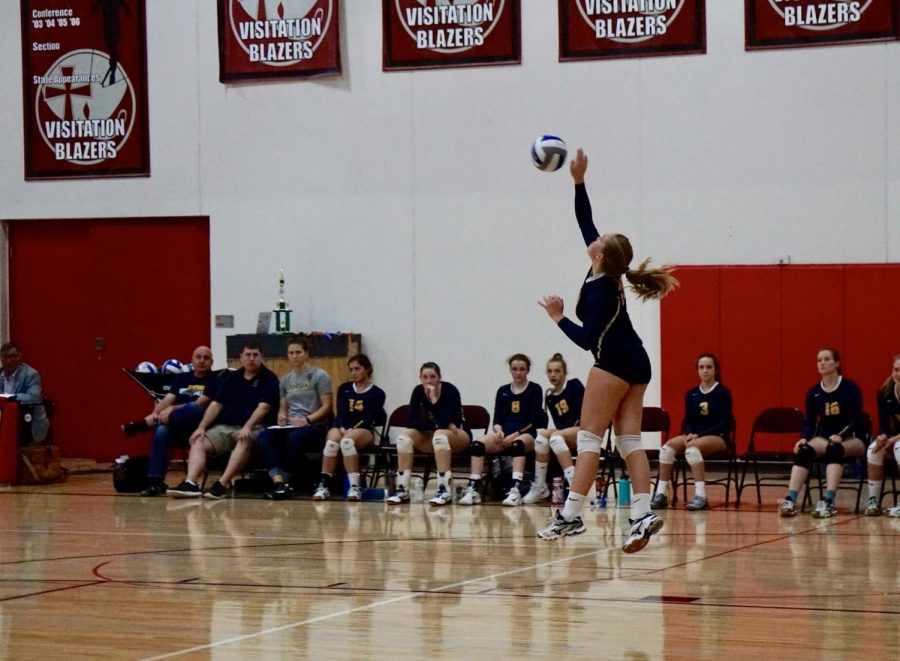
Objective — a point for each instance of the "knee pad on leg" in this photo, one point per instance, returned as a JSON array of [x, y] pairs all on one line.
[[693, 456], [666, 455], [440, 442], [541, 444], [628, 444], [331, 449], [588, 442], [875, 458], [478, 449], [897, 453], [348, 446], [834, 453], [558, 444], [804, 456], [404, 444], [517, 449]]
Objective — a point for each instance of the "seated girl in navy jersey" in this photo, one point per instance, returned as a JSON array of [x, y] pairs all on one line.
[[360, 403], [888, 439], [435, 425], [707, 421], [518, 412], [563, 402], [833, 409]]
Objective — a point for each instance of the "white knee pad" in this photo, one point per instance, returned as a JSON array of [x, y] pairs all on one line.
[[875, 458], [897, 453], [440, 442], [348, 446], [331, 449], [541, 444], [404, 444], [628, 444], [558, 444], [588, 442], [693, 456], [666, 455]]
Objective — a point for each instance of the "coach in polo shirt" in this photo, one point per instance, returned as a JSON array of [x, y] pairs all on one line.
[[242, 405]]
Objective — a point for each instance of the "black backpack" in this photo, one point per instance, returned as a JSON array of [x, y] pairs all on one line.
[[130, 476]]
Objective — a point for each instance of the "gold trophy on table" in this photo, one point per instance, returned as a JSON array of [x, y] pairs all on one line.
[[282, 311]]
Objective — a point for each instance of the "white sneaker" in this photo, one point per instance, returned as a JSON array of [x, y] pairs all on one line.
[[354, 493], [401, 495], [469, 497], [641, 530], [893, 511], [441, 497], [824, 510], [322, 493], [537, 493], [513, 498], [559, 527], [872, 508], [787, 508]]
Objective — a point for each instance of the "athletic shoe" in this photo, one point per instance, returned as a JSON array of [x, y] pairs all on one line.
[[559, 527], [872, 508], [282, 491], [355, 492], [321, 493], [469, 497], [537, 493], [787, 508], [513, 498], [399, 496], [217, 491], [660, 502], [135, 427], [155, 489], [641, 530], [441, 496], [184, 490], [697, 503], [893, 511], [824, 510]]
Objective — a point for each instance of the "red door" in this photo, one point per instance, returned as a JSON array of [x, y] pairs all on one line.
[[89, 297]]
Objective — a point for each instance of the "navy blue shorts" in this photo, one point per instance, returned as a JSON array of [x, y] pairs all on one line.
[[631, 364]]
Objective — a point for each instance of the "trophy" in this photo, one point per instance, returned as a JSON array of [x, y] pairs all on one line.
[[282, 311]]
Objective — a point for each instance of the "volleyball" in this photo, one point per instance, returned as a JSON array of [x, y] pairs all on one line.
[[146, 367], [172, 366], [548, 153]]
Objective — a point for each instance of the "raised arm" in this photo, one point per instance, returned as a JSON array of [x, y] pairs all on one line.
[[583, 212]]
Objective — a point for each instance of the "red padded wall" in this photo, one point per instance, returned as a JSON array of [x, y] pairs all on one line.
[[767, 322]]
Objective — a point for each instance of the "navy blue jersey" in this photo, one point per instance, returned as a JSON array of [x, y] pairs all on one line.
[[188, 387], [835, 412], [522, 412], [888, 411], [239, 396], [358, 410], [425, 416], [606, 329], [707, 413], [565, 408]]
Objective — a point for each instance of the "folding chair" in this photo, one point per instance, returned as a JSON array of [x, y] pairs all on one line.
[[386, 450], [653, 419], [857, 464], [776, 421], [477, 420], [728, 457]]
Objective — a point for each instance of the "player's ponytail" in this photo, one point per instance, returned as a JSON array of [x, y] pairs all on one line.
[[647, 283]]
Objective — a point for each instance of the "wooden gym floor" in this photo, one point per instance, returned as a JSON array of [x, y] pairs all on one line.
[[86, 573]]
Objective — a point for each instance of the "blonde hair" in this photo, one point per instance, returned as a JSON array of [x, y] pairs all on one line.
[[646, 282]]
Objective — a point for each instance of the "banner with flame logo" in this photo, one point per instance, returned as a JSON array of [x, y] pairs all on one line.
[[84, 81], [450, 33], [278, 39], [594, 29], [791, 23]]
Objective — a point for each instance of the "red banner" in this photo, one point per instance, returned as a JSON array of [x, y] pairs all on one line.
[[84, 80], [790, 23], [439, 33], [278, 39], [594, 29]]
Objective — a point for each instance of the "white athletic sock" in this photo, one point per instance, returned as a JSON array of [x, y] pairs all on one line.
[[540, 471], [518, 476], [640, 505], [444, 479], [875, 489], [700, 489], [569, 474], [574, 504], [403, 479], [353, 478], [662, 486]]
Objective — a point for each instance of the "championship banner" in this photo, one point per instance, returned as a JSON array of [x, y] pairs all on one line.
[[84, 83], [450, 33], [595, 29], [278, 39], [791, 23]]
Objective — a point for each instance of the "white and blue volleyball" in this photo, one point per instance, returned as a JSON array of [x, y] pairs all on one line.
[[147, 367], [172, 366], [548, 153]]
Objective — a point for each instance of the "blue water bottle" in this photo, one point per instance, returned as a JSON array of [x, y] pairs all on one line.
[[624, 492]]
